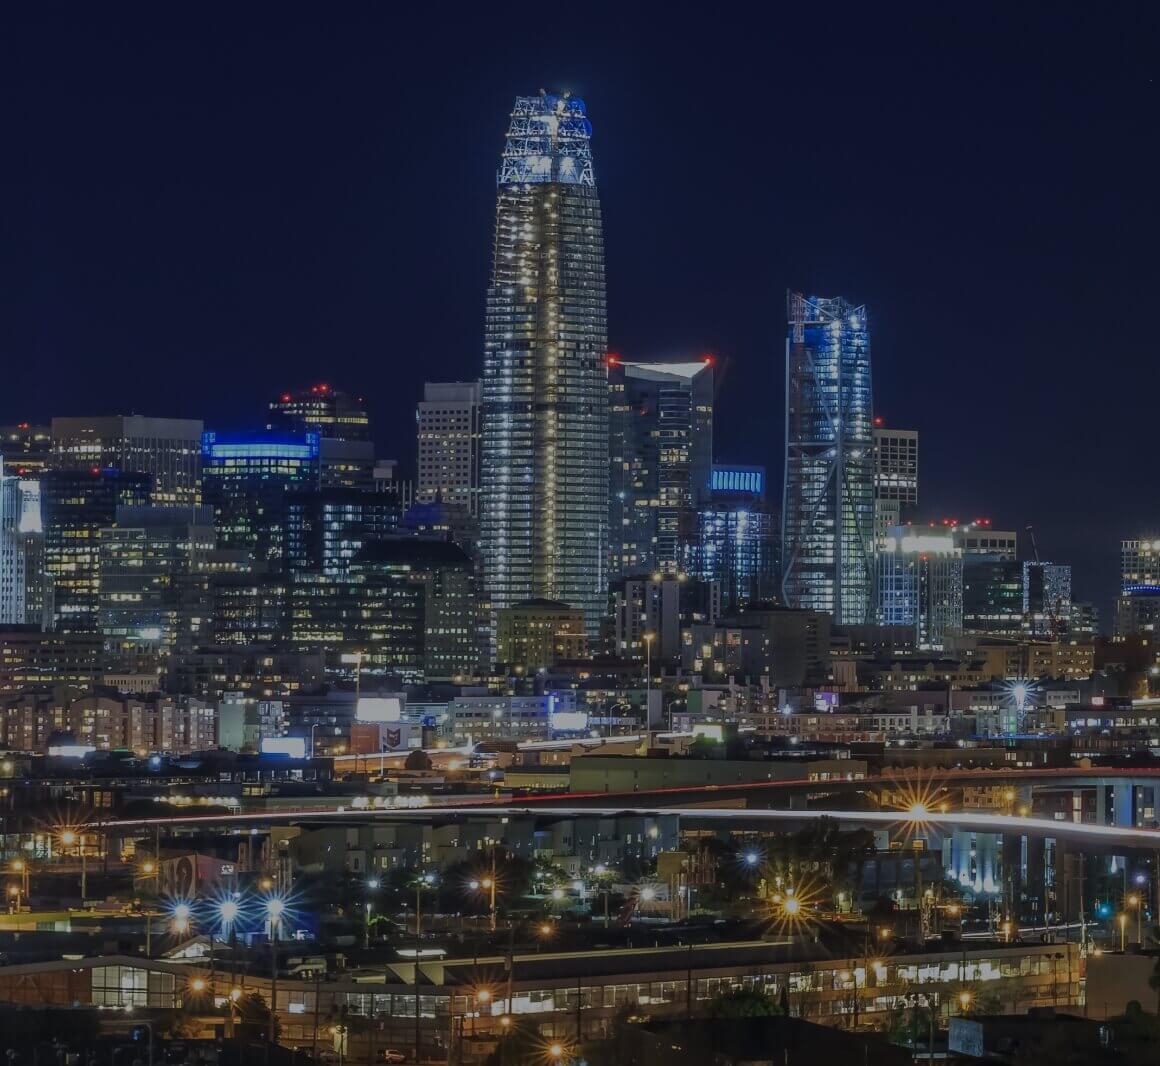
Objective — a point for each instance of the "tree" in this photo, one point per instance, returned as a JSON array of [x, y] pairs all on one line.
[[743, 1003], [254, 1012], [704, 748], [417, 760]]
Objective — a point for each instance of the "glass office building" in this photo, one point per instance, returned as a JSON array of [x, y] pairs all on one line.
[[246, 478], [544, 468], [920, 583], [828, 507], [661, 458]]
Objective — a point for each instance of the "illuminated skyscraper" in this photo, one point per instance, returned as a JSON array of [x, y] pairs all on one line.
[[661, 445], [920, 582], [447, 425], [23, 587], [828, 512], [167, 449], [544, 500], [248, 477], [77, 505], [346, 453]]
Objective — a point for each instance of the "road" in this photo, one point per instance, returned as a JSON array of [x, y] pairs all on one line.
[[742, 818]]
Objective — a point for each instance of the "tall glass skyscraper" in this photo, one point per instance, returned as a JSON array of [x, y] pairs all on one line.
[[544, 505], [828, 512], [661, 445]]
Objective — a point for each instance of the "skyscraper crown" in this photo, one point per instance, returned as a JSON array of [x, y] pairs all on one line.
[[547, 141]]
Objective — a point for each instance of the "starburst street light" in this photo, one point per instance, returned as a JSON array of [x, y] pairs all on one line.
[[182, 915]]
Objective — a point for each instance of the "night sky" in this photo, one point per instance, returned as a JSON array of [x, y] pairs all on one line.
[[206, 204]]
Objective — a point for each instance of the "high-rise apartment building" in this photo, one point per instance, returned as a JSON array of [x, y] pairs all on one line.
[[895, 477], [247, 478], [732, 539], [660, 426], [544, 504], [1046, 599], [448, 432], [23, 589], [828, 509], [76, 506], [167, 449], [1138, 605], [920, 582]]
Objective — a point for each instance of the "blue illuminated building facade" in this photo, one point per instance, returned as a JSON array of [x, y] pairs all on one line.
[[920, 583], [246, 478], [1138, 605], [544, 459], [734, 539], [749, 480], [660, 459], [828, 507]]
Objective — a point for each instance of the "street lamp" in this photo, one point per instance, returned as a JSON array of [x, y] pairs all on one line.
[[21, 867], [1123, 920], [182, 914], [70, 837], [488, 885], [964, 1000], [227, 910], [1134, 900]]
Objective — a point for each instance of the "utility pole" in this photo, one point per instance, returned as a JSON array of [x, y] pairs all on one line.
[[418, 944]]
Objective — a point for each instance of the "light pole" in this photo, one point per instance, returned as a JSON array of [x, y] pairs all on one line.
[[275, 908], [21, 867], [1135, 901], [648, 639], [421, 882], [68, 838], [1123, 920]]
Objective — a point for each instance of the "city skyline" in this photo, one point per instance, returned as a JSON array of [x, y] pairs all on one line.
[[241, 292], [579, 537]]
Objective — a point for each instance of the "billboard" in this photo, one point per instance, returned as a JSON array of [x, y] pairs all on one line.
[[379, 709], [295, 747]]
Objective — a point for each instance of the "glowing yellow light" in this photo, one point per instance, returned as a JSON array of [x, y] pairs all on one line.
[[556, 1050], [792, 906], [197, 984], [964, 1000], [918, 810], [68, 838]]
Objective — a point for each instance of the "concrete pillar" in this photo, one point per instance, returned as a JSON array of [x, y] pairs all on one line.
[[1124, 803]]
